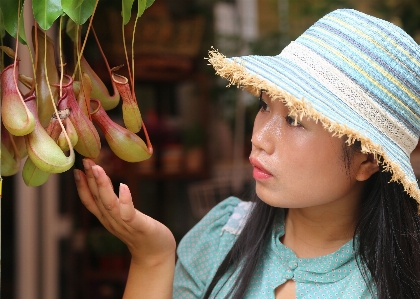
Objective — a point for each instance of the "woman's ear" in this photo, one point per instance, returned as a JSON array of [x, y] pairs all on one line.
[[367, 167]]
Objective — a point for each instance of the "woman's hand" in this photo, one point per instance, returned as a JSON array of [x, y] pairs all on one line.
[[149, 241]]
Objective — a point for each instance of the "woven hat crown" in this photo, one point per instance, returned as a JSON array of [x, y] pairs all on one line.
[[357, 74], [382, 59]]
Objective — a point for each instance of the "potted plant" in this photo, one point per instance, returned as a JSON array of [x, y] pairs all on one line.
[[63, 108]]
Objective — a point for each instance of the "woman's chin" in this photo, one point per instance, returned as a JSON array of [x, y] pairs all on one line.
[[271, 198]]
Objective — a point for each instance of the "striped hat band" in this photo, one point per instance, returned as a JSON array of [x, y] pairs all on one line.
[[356, 74]]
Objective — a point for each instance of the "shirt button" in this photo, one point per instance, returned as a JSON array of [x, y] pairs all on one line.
[[293, 265]]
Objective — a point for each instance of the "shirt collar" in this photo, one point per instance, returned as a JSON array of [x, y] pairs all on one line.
[[328, 268]]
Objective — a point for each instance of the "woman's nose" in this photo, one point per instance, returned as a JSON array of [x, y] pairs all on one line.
[[264, 135]]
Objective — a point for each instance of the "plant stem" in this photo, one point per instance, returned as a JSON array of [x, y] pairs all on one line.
[[126, 57], [102, 52], [35, 65], [149, 144], [84, 41], [60, 51], [17, 47], [1, 59], [52, 96], [34, 86], [132, 57]]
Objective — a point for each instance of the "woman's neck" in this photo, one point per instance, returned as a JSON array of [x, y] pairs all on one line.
[[318, 231]]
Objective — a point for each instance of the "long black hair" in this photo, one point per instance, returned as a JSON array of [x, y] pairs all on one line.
[[387, 246], [388, 231]]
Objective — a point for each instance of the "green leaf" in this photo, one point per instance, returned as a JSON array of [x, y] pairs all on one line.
[[77, 3], [141, 7], [46, 12], [71, 29], [13, 7], [149, 3], [127, 5], [22, 34], [79, 11], [2, 32]]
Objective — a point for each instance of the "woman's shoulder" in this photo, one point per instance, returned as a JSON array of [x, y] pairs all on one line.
[[215, 234], [204, 247], [238, 217], [228, 216]]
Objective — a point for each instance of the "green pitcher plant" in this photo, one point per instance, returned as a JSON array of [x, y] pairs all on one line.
[[58, 113]]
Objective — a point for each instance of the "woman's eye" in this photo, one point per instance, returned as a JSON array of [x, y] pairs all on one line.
[[292, 121], [263, 106]]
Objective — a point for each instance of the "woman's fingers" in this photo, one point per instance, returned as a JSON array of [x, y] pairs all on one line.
[[102, 192], [127, 210], [85, 193], [88, 164], [105, 191], [110, 206], [130, 215], [121, 211], [144, 236]]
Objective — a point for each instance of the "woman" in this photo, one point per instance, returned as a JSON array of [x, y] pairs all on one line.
[[336, 207]]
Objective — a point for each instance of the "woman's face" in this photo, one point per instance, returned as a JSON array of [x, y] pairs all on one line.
[[299, 164]]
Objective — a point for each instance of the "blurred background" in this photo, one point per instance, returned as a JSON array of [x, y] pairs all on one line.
[[52, 247]]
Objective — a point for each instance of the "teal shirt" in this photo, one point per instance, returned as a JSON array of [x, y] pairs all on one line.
[[203, 249]]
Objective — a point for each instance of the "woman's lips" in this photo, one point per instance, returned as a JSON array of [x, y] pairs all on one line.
[[259, 173]]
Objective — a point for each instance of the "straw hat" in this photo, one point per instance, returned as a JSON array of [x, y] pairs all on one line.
[[356, 74]]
